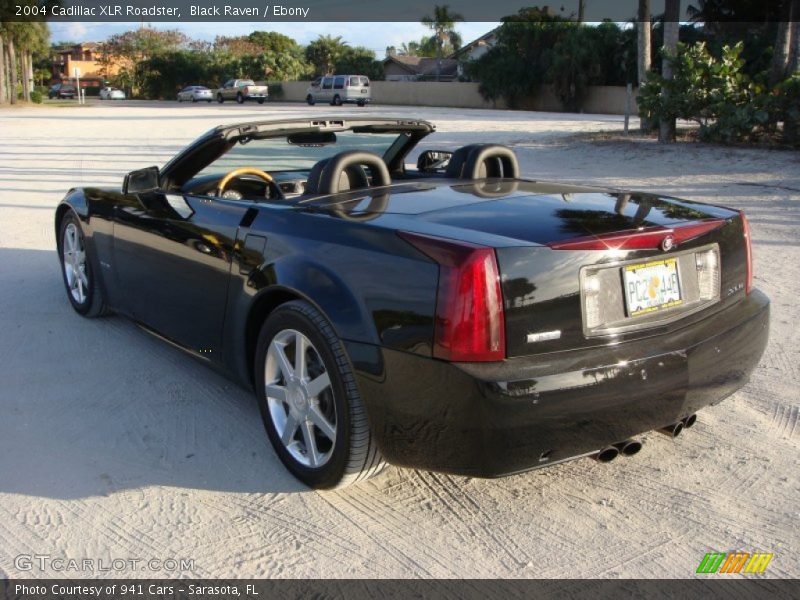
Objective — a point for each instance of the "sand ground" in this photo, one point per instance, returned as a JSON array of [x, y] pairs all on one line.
[[114, 445]]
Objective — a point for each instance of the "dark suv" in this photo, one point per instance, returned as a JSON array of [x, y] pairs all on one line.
[[61, 90]]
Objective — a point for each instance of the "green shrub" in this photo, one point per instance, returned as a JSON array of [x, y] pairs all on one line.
[[716, 93], [36, 97]]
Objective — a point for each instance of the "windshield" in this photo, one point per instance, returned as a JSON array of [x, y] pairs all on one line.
[[277, 154]]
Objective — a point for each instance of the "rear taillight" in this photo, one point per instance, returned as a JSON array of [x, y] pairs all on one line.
[[470, 324], [748, 244]]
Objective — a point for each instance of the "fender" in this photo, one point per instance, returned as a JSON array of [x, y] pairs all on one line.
[[94, 208], [251, 297]]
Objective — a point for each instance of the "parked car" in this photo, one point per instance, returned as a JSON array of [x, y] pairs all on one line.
[[453, 317], [340, 89], [61, 91], [242, 90], [111, 93], [195, 93]]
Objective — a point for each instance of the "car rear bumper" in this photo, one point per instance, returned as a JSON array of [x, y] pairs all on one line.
[[495, 419]]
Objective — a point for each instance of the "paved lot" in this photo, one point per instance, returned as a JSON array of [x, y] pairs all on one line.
[[115, 445]]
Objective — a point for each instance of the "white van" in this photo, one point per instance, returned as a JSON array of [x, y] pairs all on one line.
[[340, 89]]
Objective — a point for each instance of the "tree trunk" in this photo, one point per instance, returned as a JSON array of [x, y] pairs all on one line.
[[26, 82], [781, 55], [794, 50], [12, 67], [643, 55], [666, 130], [3, 97], [581, 11]]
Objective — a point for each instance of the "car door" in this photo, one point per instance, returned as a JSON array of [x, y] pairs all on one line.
[[326, 91], [227, 89], [172, 257]]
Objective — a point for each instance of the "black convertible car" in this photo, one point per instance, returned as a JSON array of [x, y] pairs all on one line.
[[450, 316]]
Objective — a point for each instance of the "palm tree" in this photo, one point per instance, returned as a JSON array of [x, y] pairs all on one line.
[[443, 25], [18, 42], [324, 52]]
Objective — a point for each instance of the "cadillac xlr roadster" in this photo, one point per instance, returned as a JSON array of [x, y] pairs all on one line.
[[446, 314]]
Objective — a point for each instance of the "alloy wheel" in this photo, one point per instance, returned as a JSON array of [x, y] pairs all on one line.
[[74, 261], [300, 398]]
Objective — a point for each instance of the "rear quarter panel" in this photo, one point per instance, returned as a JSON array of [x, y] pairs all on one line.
[[371, 285]]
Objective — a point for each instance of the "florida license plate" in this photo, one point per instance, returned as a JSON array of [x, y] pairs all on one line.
[[652, 286]]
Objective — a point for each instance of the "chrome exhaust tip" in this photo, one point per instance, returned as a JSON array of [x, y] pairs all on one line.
[[689, 421], [629, 447], [673, 430], [606, 454]]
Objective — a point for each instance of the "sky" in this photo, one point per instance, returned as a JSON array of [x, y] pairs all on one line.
[[375, 36]]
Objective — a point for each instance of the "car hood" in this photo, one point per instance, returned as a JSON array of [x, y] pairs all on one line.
[[526, 211]]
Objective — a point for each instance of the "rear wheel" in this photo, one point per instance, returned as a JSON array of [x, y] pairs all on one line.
[[261, 100], [309, 401], [83, 291], [194, 99], [240, 98], [310, 100], [362, 103]]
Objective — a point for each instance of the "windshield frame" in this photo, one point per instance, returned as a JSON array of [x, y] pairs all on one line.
[[218, 141]]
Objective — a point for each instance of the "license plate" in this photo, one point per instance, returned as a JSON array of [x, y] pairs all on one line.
[[651, 286]]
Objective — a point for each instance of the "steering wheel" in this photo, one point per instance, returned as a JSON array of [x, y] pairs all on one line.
[[223, 183]]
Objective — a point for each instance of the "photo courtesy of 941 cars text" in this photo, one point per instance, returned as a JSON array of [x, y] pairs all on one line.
[[345, 299]]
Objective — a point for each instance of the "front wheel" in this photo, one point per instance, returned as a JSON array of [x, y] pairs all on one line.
[[220, 99], [261, 100], [83, 291], [337, 100], [240, 98], [362, 103], [310, 100], [194, 99], [309, 401]]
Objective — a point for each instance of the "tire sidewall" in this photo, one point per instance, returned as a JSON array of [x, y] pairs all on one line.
[[293, 316], [86, 306]]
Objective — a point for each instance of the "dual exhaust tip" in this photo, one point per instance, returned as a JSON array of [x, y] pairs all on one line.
[[675, 429], [626, 448], [631, 447]]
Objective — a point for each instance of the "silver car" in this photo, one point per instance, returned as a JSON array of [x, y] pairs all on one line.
[[340, 89], [195, 93]]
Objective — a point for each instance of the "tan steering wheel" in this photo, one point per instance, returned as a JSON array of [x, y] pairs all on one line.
[[242, 171]]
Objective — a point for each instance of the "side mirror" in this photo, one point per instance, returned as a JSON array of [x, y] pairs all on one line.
[[142, 181], [433, 160]]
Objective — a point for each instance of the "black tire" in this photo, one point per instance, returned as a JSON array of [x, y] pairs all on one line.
[[240, 98], [93, 304], [337, 100], [180, 100], [362, 103], [354, 456], [310, 100], [209, 101], [194, 100], [220, 99], [261, 100]]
